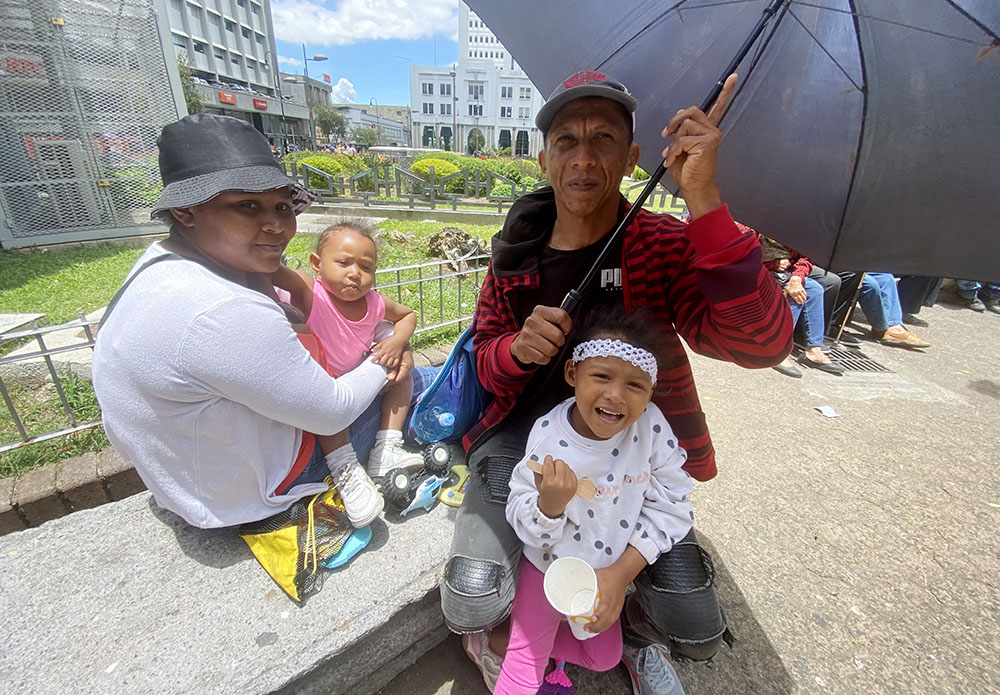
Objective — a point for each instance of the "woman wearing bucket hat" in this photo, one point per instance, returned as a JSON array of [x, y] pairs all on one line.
[[203, 383]]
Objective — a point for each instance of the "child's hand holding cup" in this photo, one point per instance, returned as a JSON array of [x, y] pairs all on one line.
[[570, 585]]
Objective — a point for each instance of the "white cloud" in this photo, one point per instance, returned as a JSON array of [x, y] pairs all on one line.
[[343, 92], [289, 62], [338, 23]]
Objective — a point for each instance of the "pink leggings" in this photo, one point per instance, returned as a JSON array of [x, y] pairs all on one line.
[[538, 633]]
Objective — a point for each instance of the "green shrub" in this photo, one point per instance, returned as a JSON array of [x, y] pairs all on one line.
[[501, 190], [449, 157], [329, 164], [442, 168], [524, 168], [639, 174]]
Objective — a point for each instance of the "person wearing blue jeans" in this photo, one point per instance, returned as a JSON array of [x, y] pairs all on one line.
[[805, 299], [979, 297], [880, 302]]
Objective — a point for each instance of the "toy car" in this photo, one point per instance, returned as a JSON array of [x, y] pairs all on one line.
[[407, 492]]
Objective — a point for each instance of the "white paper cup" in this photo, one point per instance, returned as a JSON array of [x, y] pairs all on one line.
[[571, 587]]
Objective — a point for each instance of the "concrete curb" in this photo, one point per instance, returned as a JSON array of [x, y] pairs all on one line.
[[88, 481]]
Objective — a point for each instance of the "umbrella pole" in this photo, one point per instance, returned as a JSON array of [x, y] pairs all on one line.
[[573, 297]]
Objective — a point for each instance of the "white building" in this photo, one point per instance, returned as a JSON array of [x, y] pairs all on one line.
[[486, 99], [393, 132]]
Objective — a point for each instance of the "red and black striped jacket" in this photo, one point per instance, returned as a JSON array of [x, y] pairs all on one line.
[[702, 281]]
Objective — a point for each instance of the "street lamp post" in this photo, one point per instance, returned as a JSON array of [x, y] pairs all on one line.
[[318, 58], [276, 80], [378, 124], [454, 110]]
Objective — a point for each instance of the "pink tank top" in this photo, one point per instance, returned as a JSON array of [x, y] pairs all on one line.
[[344, 341]]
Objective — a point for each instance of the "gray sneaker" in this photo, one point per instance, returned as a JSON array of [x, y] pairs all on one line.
[[650, 671]]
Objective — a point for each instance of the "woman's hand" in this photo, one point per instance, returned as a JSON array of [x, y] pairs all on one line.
[[795, 290]]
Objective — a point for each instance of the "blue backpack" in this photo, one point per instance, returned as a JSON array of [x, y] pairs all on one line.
[[454, 401]]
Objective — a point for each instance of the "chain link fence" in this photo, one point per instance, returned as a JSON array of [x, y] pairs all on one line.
[[84, 91]]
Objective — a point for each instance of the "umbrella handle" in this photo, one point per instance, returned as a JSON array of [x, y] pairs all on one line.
[[571, 301]]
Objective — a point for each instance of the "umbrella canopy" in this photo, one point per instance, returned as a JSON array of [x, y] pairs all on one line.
[[866, 136]]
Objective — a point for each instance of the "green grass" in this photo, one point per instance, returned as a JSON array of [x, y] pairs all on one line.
[[63, 283], [41, 411]]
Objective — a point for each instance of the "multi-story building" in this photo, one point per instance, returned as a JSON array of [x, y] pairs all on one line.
[[229, 45], [484, 100]]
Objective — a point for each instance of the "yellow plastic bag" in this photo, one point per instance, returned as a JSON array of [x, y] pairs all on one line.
[[291, 545]]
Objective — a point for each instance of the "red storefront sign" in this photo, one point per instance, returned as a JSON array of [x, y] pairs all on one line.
[[22, 66], [227, 98], [260, 104]]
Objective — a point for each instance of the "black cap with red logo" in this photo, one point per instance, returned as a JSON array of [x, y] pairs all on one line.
[[588, 83]]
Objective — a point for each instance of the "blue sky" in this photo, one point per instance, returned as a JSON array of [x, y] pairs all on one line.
[[360, 38]]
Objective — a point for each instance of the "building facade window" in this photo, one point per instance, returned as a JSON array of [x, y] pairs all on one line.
[[523, 111], [426, 87], [525, 92], [506, 111], [428, 108], [445, 109], [475, 109], [507, 92], [444, 90], [476, 90]]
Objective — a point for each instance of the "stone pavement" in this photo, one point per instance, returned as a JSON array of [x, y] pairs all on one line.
[[855, 555]]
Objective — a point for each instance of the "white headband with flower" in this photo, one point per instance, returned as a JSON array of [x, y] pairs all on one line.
[[604, 347]]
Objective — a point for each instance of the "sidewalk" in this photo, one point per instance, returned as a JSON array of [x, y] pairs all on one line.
[[854, 555]]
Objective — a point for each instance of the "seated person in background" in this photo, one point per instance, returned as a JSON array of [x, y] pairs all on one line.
[[343, 310], [880, 302], [916, 292], [805, 299], [979, 296]]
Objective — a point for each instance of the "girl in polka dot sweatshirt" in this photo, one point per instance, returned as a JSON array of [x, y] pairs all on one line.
[[611, 434]]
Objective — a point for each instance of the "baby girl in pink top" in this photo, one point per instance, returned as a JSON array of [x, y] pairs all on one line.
[[343, 311]]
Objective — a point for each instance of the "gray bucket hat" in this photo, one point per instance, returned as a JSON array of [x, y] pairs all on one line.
[[588, 83], [203, 155]]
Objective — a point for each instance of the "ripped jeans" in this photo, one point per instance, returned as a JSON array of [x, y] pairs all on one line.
[[674, 603]]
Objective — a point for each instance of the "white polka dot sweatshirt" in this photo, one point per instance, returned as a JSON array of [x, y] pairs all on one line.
[[641, 492]]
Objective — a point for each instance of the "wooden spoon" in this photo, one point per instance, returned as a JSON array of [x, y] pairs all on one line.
[[585, 488]]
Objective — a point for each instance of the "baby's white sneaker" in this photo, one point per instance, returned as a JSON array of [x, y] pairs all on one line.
[[357, 491], [388, 453]]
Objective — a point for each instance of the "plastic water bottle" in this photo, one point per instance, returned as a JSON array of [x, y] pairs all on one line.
[[436, 424]]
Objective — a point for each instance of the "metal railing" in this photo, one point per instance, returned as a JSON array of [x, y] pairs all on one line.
[[443, 293], [387, 185], [24, 355]]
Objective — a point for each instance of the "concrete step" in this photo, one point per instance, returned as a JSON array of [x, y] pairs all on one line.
[[127, 598]]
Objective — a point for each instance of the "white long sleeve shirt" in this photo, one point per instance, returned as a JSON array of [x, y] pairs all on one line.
[[204, 387], [641, 492]]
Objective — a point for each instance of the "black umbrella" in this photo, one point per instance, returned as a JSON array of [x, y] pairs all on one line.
[[864, 134]]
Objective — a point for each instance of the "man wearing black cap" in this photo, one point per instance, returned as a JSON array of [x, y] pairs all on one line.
[[702, 281]]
